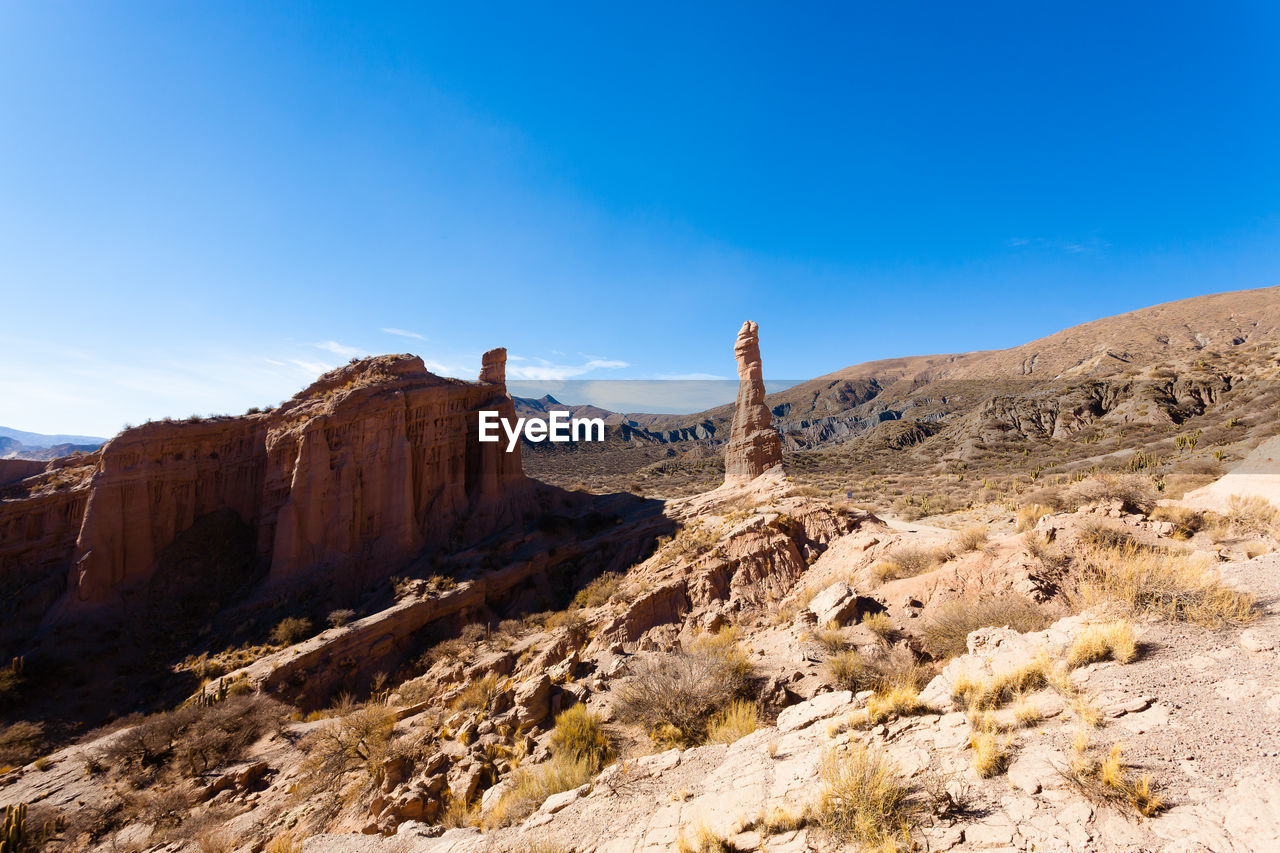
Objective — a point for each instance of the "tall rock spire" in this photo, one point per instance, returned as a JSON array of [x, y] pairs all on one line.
[[754, 447], [493, 366]]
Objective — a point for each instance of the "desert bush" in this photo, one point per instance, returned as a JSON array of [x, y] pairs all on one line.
[[599, 591], [970, 539], [895, 667], [904, 562], [192, 739], [1178, 587], [674, 696], [579, 732], [830, 637], [20, 743], [948, 628], [740, 719], [355, 740], [881, 625], [1028, 515], [1112, 640], [1186, 522], [290, 630], [479, 694], [1250, 515], [1100, 533], [1135, 492], [338, 618], [863, 800]]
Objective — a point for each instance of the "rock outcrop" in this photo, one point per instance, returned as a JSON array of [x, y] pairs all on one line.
[[754, 447], [355, 476]]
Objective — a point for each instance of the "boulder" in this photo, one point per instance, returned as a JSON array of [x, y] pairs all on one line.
[[533, 700], [837, 603]]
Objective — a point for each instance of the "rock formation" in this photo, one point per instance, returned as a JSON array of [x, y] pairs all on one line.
[[356, 475], [754, 447]]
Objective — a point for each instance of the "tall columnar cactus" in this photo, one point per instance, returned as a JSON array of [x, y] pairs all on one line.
[[15, 820]]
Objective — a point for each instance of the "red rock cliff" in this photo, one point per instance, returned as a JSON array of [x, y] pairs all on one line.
[[358, 474]]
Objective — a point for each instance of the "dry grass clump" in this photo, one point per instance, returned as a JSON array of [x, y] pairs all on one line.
[[1107, 641], [780, 820], [970, 539], [579, 749], [1098, 533], [531, 785], [479, 694], [740, 719], [1109, 780], [947, 630], [904, 562], [830, 637], [1028, 515], [988, 693], [1135, 492], [990, 751], [881, 625], [1250, 515], [887, 703], [1186, 522], [1177, 587], [580, 732], [704, 840], [675, 696], [896, 667], [863, 799], [599, 591]]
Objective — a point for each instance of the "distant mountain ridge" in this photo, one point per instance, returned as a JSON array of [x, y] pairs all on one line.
[[19, 444]]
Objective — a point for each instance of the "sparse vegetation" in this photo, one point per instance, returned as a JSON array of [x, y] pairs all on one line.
[[948, 629], [904, 562], [1250, 516], [1028, 515], [740, 719], [863, 799], [599, 591], [339, 618], [291, 630], [1134, 492], [675, 696], [1109, 641], [1109, 780], [355, 740], [1173, 586]]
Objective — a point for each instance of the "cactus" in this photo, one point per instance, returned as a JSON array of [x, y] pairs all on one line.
[[14, 833]]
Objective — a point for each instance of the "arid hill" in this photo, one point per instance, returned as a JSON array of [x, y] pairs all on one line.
[[1054, 406]]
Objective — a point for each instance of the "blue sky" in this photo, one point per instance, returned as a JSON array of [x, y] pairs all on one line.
[[203, 205]]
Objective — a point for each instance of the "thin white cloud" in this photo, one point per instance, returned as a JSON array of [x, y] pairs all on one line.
[[405, 333], [546, 371], [337, 348], [312, 367]]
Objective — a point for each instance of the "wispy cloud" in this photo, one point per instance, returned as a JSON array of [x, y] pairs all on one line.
[[337, 348], [541, 370], [405, 333], [313, 367], [1092, 245]]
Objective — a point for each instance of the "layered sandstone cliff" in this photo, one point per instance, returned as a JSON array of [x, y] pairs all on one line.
[[354, 476], [754, 447]]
